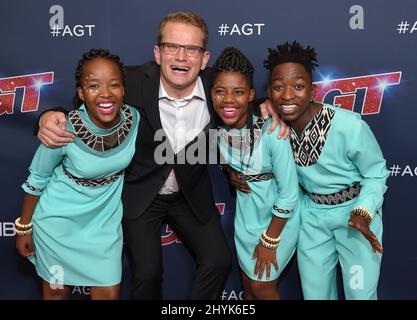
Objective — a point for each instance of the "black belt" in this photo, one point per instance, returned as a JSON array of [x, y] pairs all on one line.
[[336, 198], [248, 177], [256, 177], [93, 182]]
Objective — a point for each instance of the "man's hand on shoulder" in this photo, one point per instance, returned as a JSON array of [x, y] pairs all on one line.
[[52, 131], [267, 110]]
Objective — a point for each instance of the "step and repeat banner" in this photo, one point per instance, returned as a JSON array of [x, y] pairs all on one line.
[[367, 55]]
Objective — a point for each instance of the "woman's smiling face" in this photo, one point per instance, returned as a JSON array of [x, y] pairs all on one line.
[[231, 94]]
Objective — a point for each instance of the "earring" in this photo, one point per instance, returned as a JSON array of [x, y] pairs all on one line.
[[312, 100]]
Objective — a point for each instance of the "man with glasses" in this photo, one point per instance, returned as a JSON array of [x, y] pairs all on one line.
[[172, 94], [172, 49]]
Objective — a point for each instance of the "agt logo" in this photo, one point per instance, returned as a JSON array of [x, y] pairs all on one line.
[[58, 28], [170, 237], [30, 84], [247, 29], [347, 90], [231, 295], [78, 290]]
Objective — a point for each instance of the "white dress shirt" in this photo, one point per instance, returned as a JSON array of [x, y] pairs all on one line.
[[182, 120]]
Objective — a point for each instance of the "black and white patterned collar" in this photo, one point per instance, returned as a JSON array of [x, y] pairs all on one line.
[[98, 142], [241, 139], [308, 147]]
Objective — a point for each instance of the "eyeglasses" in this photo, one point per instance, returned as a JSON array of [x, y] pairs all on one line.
[[173, 49]]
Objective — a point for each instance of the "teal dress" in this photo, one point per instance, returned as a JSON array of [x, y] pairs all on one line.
[[340, 166], [77, 230], [271, 175]]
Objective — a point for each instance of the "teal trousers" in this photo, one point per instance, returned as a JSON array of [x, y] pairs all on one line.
[[325, 240]]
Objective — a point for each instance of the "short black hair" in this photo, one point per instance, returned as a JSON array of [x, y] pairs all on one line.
[[89, 55], [294, 52], [233, 60]]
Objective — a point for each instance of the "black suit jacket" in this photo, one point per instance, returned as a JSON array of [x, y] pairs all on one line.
[[144, 177]]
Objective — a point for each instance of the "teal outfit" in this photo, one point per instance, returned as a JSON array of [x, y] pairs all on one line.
[[77, 229], [340, 166], [271, 175]]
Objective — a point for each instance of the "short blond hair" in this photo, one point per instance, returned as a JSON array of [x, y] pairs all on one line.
[[186, 18]]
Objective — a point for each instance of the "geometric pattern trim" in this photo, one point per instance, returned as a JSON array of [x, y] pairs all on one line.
[[282, 210], [337, 197], [256, 177], [308, 147], [93, 182], [27, 184], [242, 142], [97, 142]]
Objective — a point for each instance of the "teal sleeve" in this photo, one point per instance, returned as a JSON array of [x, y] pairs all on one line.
[[367, 156], [283, 168], [43, 164]]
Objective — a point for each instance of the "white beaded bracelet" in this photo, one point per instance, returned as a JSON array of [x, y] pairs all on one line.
[[22, 226], [363, 212], [267, 244], [269, 239], [23, 233]]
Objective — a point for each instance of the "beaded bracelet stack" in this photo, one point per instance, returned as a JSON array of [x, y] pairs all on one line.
[[268, 242], [22, 229], [363, 212]]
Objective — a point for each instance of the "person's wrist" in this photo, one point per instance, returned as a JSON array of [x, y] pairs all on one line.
[[362, 212]]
